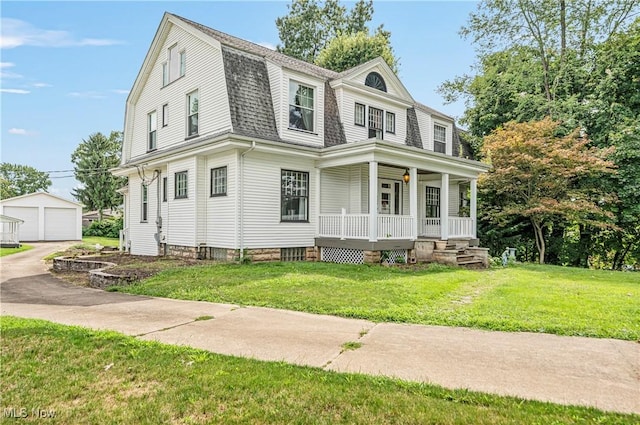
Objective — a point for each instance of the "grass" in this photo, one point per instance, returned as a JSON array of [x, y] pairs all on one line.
[[93, 240], [549, 299], [97, 377], [9, 251]]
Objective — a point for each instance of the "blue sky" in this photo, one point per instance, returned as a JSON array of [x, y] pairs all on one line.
[[66, 67]]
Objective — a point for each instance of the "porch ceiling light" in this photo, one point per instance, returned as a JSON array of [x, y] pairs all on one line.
[[406, 176]]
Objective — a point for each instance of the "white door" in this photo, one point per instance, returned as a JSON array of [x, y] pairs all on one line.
[[389, 193], [60, 224], [28, 231]]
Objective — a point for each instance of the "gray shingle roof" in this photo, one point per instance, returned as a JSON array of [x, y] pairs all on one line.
[[249, 95], [333, 129], [413, 130], [256, 49]]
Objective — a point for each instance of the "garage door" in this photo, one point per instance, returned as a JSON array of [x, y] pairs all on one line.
[[59, 224], [28, 231]]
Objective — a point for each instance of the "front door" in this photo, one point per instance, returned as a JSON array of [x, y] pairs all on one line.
[[389, 193]]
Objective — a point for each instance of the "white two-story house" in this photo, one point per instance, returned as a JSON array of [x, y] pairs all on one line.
[[233, 149]]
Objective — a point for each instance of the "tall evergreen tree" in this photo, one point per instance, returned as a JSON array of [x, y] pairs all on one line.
[[92, 160]]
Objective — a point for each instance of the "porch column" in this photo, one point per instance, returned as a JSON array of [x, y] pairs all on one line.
[[473, 213], [413, 201], [444, 206], [373, 201]]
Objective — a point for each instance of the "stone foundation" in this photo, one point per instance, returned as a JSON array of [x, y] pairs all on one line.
[[313, 253], [446, 256], [372, 257], [480, 254], [182, 251]]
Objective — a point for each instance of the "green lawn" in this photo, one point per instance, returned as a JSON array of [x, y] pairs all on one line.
[[93, 240], [88, 244], [565, 301], [9, 251], [93, 377]]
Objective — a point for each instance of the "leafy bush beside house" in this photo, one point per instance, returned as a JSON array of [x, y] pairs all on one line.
[[108, 228]]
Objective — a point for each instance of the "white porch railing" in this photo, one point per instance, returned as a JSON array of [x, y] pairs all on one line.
[[429, 227], [461, 227], [344, 226], [9, 237], [356, 226], [394, 226]]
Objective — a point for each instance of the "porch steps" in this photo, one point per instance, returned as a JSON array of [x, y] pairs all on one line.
[[467, 260]]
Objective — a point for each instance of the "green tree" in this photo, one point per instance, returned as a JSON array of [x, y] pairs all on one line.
[[535, 175], [92, 160], [16, 180], [310, 25], [349, 50]]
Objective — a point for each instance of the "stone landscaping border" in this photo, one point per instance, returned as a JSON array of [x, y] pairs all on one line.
[[99, 278]]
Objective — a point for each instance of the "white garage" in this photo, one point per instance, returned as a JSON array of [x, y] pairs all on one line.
[[46, 217]]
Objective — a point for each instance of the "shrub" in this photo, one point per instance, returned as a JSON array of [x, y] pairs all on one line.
[[108, 228]]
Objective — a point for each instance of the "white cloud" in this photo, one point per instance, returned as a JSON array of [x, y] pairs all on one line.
[[8, 74], [16, 32], [41, 85], [267, 45], [7, 64], [15, 91], [21, 132], [120, 91], [86, 94]]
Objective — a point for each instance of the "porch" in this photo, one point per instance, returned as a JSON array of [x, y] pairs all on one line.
[[358, 226]]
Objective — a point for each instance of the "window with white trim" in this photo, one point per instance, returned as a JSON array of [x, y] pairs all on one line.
[[359, 114], [301, 106], [375, 123], [391, 123], [294, 202], [432, 202], [144, 197], [439, 138], [164, 189], [152, 126], [175, 66], [165, 115], [192, 113], [181, 185], [219, 181]]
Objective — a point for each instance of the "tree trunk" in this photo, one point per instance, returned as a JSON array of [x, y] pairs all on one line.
[[563, 30], [538, 231]]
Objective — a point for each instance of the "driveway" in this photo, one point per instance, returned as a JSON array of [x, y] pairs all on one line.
[[602, 373]]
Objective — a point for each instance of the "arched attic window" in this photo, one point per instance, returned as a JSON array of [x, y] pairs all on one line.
[[376, 81]]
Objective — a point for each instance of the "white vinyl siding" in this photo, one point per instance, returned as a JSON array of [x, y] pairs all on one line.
[[221, 221], [425, 124], [141, 233], [276, 87], [355, 133], [261, 198], [331, 200], [205, 60], [181, 227]]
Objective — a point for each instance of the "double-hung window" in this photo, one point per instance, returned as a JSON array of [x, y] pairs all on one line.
[[432, 202], [144, 196], [359, 114], [165, 115], [375, 122], [175, 66], [219, 181], [192, 113], [301, 106], [181, 185], [152, 126], [439, 138], [294, 202], [391, 122]]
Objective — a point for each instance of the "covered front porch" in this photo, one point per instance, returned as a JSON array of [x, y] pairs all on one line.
[[377, 190]]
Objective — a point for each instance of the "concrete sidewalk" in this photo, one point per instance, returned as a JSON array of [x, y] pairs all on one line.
[[602, 373]]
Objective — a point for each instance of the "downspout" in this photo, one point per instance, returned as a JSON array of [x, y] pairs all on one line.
[[158, 173], [241, 199]]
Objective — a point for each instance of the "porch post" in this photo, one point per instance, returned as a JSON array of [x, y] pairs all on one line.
[[473, 213], [373, 201], [444, 207], [413, 201]]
